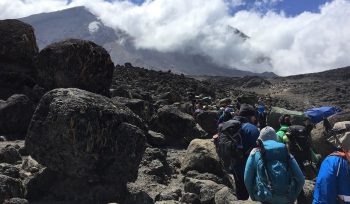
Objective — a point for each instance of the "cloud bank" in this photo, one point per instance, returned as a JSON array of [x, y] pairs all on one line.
[[286, 45]]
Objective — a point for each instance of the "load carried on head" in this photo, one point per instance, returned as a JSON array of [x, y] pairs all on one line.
[[316, 115]]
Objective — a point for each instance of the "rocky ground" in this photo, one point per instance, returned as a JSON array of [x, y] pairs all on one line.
[[68, 138]]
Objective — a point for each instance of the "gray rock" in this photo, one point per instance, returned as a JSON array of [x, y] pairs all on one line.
[[319, 137], [178, 127], [18, 43], [156, 139], [16, 201], [139, 107], [206, 189], [309, 188], [10, 188], [75, 64], [9, 170], [30, 165], [39, 184], [208, 121], [18, 50], [82, 134], [190, 198], [168, 195], [15, 116], [225, 196], [10, 155], [136, 196], [201, 156]]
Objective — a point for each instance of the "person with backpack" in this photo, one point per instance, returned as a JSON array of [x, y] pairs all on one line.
[[285, 122], [272, 175], [226, 115], [333, 180], [262, 116], [236, 139]]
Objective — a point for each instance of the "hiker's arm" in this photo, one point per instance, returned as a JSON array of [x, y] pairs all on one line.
[[249, 175], [326, 184], [298, 176]]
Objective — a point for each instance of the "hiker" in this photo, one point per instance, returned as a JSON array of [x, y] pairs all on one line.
[[226, 115], [271, 174], [333, 180], [285, 122], [261, 116], [236, 139]]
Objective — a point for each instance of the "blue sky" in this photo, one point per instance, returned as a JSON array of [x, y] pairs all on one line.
[[290, 7]]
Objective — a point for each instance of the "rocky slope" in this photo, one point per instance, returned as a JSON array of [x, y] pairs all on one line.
[[65, 140]]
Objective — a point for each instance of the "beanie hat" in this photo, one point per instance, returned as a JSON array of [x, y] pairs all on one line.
[[285, 120], [246, 110], [229, 110], [268, 133]]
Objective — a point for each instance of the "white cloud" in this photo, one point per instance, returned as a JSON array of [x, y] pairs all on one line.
[[305, 43]]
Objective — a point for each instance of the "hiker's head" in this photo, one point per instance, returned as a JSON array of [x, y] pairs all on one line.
[[249, 112], [268, 133], [345, 143], [285, 120], [228, 110]]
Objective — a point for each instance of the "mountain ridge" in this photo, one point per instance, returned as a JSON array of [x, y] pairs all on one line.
[[75, 23]]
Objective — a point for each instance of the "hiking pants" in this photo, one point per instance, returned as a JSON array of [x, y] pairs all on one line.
[[241, 190]]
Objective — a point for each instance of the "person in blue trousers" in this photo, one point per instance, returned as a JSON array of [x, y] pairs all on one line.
[[333, 180]]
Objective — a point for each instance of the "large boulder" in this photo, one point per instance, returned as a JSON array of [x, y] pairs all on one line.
[[178, 127], [201, 156], [10, 188], [139, 107], [85, 135], [18, 50], [15, 116], [319, 136], [17, 43], [75, 64], [208, 121]]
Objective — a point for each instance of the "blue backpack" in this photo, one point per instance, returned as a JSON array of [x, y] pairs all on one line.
[[274, 178]]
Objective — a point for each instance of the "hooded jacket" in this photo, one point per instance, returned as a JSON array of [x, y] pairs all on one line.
[[333, 182], [251, 175]]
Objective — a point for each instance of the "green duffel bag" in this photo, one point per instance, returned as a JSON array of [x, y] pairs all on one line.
[[297, 118]]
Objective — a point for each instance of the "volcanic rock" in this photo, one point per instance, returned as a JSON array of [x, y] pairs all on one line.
[[208, 121], [75, 64], [201, 156], [18, 49], [82, 134], [15, 116], [178, 127], [10, 188]]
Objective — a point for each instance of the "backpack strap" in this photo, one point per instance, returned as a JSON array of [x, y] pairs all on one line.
[[262, 150]]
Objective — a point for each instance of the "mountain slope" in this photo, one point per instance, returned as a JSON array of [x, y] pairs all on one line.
[[79, 23]]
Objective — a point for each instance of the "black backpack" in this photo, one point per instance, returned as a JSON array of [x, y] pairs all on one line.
[[229, 145], [299, 144]]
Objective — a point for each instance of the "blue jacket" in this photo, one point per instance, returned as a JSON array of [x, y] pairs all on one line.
[[333, 181], [250, 134], [293, 187]]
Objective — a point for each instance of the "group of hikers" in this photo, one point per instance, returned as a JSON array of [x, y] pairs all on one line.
[[270, 166]]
